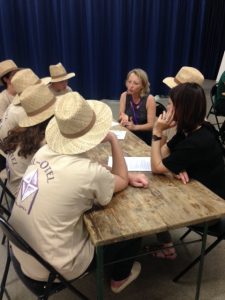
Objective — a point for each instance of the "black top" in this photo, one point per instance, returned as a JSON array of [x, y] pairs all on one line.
[[200, 155], [139, 116]]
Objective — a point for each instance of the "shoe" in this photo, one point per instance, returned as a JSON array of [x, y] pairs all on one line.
[[135, 271], [166, 251]]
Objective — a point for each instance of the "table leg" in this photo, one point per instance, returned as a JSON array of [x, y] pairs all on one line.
[[200, 269], [100, 273]]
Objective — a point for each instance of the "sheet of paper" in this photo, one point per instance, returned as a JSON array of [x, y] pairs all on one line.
[[114, 123], [135, 163], [120, 134]]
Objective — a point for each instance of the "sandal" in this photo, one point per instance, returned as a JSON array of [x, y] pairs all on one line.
[[165, 251]]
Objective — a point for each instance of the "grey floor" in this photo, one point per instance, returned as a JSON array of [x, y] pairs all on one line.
[[155, 281]]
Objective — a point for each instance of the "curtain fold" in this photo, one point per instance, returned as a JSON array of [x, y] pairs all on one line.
[[101, 40]]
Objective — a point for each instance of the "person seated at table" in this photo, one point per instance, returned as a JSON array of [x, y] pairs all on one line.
[[195, 151], [185, 74], [15, 112], [137, 107], [59, 79], [23, 141], [7, 69], [64, 184]]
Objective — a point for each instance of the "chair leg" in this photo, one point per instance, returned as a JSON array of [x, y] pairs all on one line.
[[5, 275], [194, 262]]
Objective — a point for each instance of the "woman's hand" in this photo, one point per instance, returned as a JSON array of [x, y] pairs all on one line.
[[138, 180], [183, 176], [164, 121], [123, 119], [130, 124]]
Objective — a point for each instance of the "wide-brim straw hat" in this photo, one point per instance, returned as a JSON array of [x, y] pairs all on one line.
[[58, 73], [24, 78], [38, 103], [7, 66], [79, 125], [185, 74]]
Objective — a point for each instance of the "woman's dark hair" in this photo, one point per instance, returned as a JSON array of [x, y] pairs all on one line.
[[28, 139], [190, 106]]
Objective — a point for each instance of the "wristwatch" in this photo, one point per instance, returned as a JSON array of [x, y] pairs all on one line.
[[156, 138]]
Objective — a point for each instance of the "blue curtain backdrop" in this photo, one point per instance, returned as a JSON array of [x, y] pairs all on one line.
[[101, 40]]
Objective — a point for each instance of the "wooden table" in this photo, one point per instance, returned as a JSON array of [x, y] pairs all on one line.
[[135, 212]]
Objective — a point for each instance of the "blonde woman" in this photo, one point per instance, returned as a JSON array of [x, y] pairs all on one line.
[[137, 106]]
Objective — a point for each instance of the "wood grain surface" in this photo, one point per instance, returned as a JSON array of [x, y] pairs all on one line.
[[166, 204]]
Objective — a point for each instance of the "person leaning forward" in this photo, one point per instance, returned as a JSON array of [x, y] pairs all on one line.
[[41, 215]]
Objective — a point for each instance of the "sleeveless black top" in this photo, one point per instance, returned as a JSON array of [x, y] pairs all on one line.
[[138, 113]]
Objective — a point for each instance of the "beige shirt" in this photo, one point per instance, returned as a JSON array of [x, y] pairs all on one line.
[[67, 90], [11, 118], [5, 100], [16, 167], [55, 192]]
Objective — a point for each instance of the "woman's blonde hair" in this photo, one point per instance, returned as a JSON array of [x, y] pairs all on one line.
[[142, 75]]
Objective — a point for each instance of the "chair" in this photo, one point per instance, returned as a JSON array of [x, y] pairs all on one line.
[[159, 108], [41, 289], [217, 231], [212, 111], [6, 202]]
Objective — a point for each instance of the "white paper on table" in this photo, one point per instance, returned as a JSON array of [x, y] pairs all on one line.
[[135, 163], [114, 123], [120, 134]]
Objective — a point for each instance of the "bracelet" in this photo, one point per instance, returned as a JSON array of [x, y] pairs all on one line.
[[156, 138]]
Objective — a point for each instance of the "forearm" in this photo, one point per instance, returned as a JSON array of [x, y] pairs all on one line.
[[143, 127], [119, 166], [157, 154]]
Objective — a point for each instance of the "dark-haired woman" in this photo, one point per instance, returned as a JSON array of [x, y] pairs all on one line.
[[20, 146], [23, 142], [194, 151]]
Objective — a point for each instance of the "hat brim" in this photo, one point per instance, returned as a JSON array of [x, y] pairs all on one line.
[[169, 81], [39, 118], [44, 80], [62, 78], [6, 72], [60, 144]]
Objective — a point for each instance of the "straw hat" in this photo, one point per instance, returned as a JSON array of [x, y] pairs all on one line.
[[38, 103], [7, 66], [78, 125], [185, 74], [24, 78], [58, 73]]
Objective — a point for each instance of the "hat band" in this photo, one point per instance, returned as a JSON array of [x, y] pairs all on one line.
[[83, 131], [57, 76], [177, 81], [41, 109]]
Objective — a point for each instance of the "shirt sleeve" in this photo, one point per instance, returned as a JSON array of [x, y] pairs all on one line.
[[103, 184]]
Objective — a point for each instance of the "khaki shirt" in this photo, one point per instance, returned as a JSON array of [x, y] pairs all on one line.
[[11, 118], [5, 100], [16, 167], [55, 192]]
